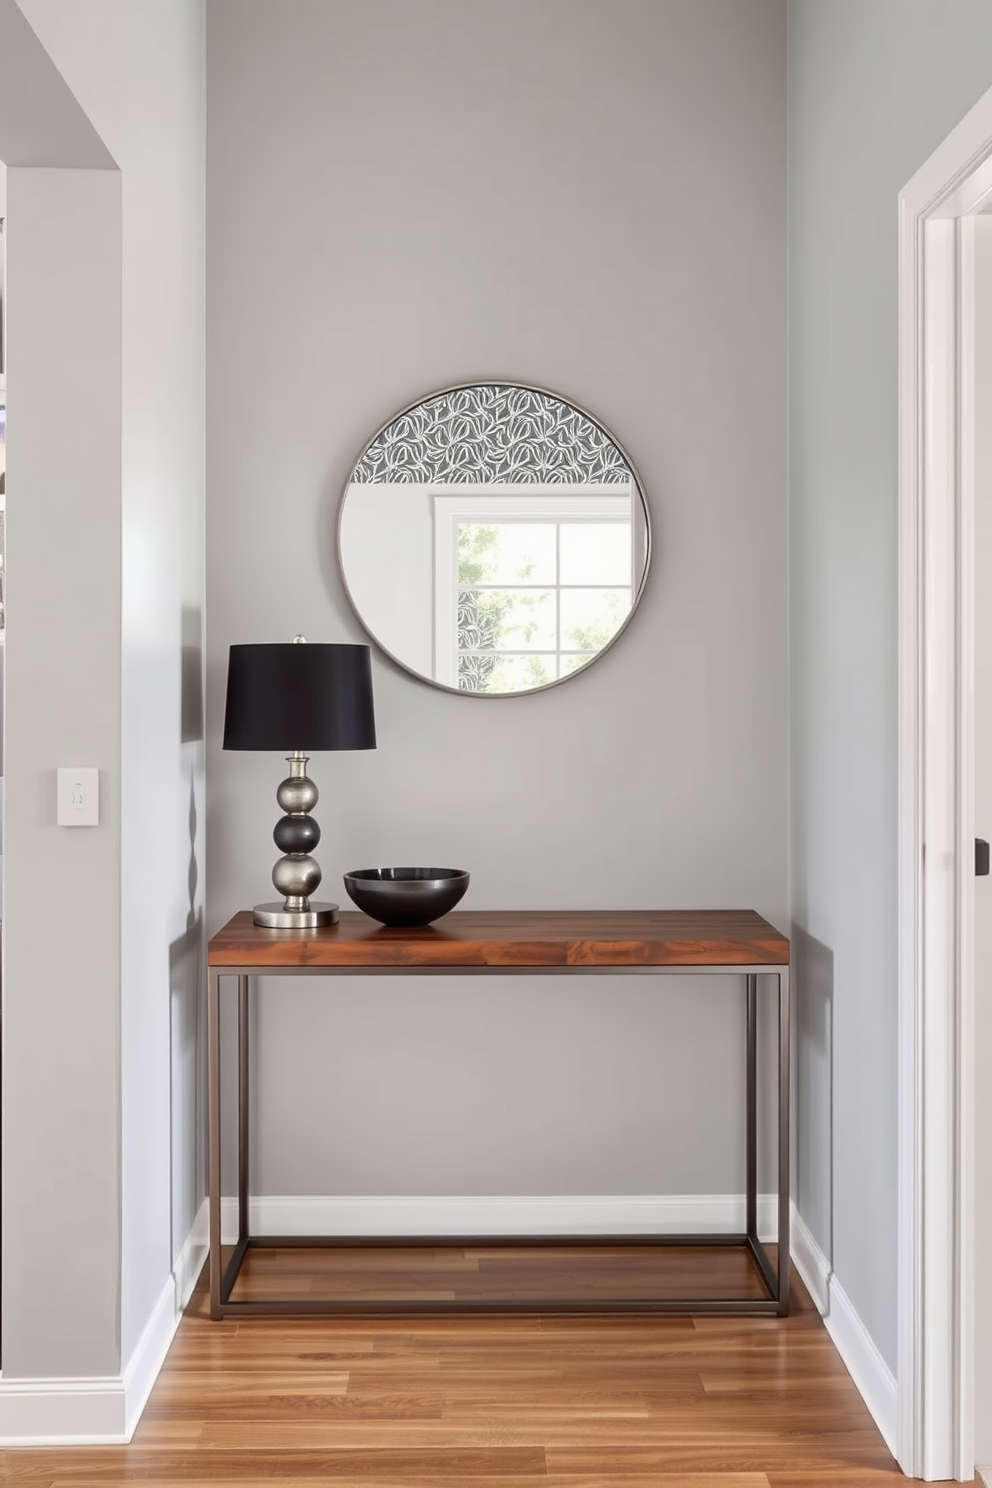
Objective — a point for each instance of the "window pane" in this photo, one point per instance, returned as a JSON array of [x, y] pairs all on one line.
[[591, 617], [506, 553], [595, 552], [504, 673], [506, 619], [569, 664]]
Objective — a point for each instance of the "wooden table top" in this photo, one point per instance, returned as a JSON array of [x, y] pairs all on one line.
[[513, 938]]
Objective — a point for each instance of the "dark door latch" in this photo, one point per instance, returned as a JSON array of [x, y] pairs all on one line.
[[981, 857]]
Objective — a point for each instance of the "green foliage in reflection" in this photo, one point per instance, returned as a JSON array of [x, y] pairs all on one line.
[[597, 633], [484, 622], [509, 676], [480, 615], [476, 559]]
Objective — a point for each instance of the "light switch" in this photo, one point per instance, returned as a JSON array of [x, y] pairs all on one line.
[[79, 797]]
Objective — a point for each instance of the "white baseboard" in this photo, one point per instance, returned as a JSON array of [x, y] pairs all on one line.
[[810, 1262], [865, 1365], [104, 1410], [143, 1367], [192, 1256], [61, 1412], [610, 1214], [985, 1473], [874, 1379]]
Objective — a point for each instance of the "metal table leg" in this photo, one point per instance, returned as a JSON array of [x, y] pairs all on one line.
[[751, 1139], [777, 1279], [243, 1108], [244, 1116], [784, 1260], [213, 1104], [222, 1278]]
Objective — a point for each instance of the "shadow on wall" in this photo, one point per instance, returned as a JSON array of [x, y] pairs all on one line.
[[186, 1014], [812, 1178], [191, 682], [187, 1039], [187, 1007]]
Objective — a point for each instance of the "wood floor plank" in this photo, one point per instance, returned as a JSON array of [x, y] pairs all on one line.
[[368, 1464], [719, 1434], [387, 1479], [861, 1451], [257, 1386]]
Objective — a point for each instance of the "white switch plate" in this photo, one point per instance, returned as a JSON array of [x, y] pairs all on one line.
[[79, 797]]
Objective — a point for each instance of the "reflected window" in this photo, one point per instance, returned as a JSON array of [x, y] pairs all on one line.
[[528, 587]]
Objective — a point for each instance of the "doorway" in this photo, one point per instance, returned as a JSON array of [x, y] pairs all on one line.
[[945, 724]]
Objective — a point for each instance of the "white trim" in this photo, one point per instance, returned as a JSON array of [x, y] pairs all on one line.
[[963, 1299], [148, 1356], [875, 1381], [62, 1412], [143, 1367], [872, 1376], [935, 1368], [192, 1257], [985, 1473], [610, 1214], [104, 1410], [810, 1262], [941, 842], [551, 503]]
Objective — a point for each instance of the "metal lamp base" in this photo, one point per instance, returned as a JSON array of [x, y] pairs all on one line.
[[275, 916], [297, 874]]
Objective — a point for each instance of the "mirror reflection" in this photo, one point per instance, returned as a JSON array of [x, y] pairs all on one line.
[[494, 538]]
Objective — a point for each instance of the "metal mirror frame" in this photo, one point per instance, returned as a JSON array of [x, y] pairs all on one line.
[[530, 387]]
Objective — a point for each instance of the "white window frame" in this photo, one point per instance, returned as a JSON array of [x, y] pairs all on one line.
[[481, 503]]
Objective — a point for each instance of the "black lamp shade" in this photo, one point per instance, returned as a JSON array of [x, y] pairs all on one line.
[[299, 697]]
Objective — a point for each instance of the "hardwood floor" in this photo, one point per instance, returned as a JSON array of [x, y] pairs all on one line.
[[514, 1402], [487, 1273]]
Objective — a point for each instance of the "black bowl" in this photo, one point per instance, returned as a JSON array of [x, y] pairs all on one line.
[[406, 896]]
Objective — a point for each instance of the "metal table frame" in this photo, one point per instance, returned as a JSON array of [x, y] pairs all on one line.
[[224, 1278]]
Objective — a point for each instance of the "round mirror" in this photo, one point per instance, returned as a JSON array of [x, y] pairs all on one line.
[[494, 538]]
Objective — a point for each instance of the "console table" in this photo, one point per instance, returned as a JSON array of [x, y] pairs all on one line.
[[729, 942]]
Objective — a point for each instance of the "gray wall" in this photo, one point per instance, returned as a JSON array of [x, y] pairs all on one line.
[[61, 1177], [139, 73], [405, 193], [873, 89], [102, 1168], [41, 122], [61, 1114]]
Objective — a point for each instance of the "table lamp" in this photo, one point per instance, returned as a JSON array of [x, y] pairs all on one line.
[[287, 697]]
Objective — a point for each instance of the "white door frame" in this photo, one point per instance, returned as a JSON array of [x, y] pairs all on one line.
[[936, 796]]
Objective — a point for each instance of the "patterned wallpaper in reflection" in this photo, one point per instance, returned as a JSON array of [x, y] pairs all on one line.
[[492, 432]]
